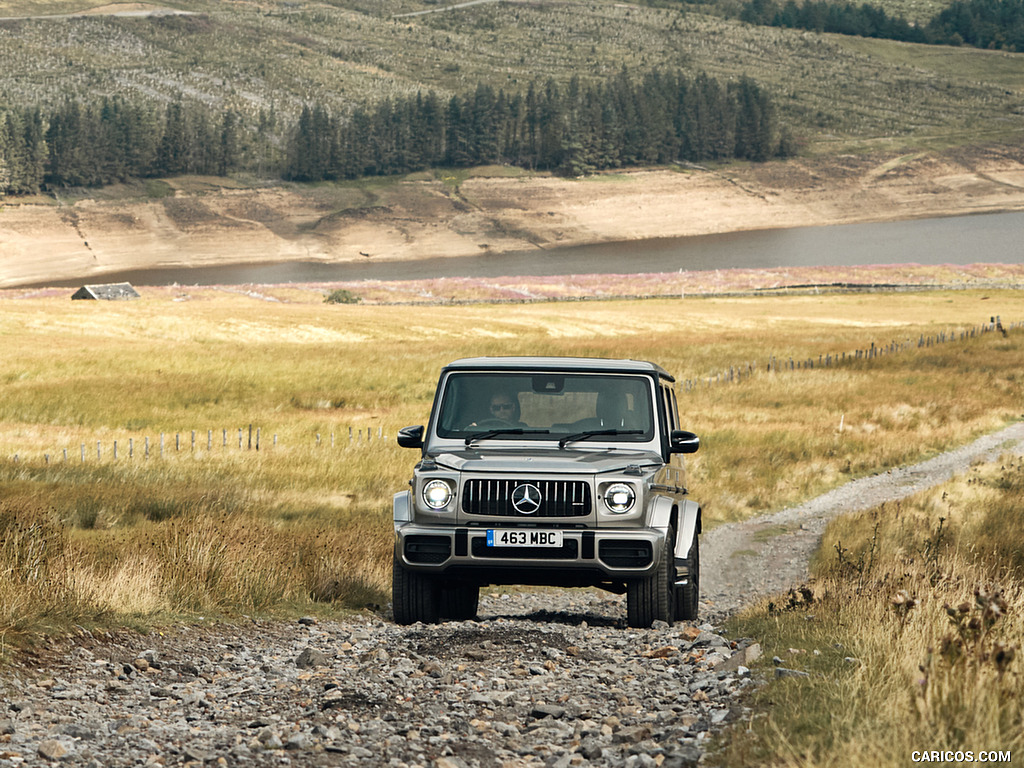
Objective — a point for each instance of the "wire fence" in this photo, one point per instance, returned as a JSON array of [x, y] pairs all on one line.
[[250, 438], [773, 364]]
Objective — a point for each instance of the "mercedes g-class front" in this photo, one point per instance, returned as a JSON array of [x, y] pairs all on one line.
[[548, 471]]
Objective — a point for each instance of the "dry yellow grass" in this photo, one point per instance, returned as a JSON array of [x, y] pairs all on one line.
[[304, 525], [912, 638]]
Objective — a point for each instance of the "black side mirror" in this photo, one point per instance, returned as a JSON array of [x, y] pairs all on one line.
[[411, 437], [682, 441]]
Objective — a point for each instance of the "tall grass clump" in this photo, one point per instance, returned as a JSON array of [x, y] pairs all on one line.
[[236, 563], [35, 589], [910, 633], [54, 576]]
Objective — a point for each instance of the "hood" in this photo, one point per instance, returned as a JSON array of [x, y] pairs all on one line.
[[555, 461]]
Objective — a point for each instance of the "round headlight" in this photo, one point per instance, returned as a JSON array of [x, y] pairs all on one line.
[[619, 498], [437, 494]]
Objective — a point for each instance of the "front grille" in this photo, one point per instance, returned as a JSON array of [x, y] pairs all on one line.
[[567, 551], [625, 554], [558, 498], [427, 549]]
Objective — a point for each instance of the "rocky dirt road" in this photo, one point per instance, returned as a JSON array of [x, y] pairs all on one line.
[[542, 678]]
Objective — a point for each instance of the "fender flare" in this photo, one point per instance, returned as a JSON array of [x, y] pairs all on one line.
[[689, 527], [660, 516], [401, 508]]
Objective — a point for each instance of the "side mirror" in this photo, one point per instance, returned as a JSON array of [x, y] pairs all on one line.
[[681, 441], [411, 437]]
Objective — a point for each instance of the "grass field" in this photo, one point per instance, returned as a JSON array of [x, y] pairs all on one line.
[[303, 524]]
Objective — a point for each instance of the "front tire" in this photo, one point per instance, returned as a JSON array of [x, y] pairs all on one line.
[[459, 602], [653, 598], [414, 596]]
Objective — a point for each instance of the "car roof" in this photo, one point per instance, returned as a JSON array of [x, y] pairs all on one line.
[[566, 364]]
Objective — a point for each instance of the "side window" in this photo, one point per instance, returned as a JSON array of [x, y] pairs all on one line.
[[670, 406]]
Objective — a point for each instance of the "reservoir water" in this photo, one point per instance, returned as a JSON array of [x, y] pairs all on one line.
[[982, 238]]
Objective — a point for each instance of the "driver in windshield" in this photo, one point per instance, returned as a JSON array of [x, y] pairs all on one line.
[[504, 412], [505, 407]]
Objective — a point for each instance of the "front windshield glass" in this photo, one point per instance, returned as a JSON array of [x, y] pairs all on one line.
[[561, 404]]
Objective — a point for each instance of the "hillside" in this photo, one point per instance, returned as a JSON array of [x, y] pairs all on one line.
[[269, 59]]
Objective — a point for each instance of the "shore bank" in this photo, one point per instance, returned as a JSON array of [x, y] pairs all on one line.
[[209, 222]]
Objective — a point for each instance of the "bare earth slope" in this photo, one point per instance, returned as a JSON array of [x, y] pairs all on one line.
[[45, 239]]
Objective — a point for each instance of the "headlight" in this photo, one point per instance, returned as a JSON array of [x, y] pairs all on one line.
[[437, 494], [619, 498]]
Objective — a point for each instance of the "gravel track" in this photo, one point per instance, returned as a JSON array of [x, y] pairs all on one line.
[[746, 561], [542, 678]]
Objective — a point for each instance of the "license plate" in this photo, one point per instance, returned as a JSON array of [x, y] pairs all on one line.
[[505, 537]]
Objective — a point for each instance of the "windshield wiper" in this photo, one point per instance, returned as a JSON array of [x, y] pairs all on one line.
[[596, 433], [511, 431]]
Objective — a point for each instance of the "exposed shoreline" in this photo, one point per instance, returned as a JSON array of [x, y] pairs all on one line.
[[209, 222]]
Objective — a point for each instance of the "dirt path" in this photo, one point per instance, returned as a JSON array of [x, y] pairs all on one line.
[[745, 561], [113, 9], [442, 10]]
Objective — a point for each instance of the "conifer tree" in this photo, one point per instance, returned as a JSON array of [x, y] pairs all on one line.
[[5, 152], [173, 155]]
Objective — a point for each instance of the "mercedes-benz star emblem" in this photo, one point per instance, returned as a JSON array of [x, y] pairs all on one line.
[[526, 498]]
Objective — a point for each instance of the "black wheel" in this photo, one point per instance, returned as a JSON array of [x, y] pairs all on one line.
[[459, 602], [414, 596], [687, 596], [653, 598]]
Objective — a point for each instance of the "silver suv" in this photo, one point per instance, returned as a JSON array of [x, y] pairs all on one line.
[[548, 471]]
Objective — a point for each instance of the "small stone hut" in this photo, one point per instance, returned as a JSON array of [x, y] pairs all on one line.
[[108, 292]]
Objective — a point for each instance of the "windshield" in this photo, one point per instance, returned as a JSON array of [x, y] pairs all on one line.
[[547, 406]]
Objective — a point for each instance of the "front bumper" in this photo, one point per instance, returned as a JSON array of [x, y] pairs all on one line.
[[616, 554]]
